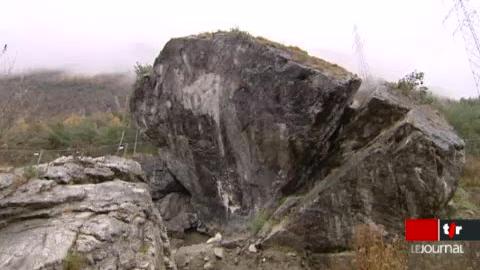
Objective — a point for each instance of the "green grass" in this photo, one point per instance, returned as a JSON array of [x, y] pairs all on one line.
[[463, 205], [30, 172], [471, 172], [256, 224], [74, 261], [464, 116]]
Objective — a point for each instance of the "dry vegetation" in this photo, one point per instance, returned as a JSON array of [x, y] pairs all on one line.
[[464, 116], [373, 252], [95, 135], [62, 114], [41, 95]]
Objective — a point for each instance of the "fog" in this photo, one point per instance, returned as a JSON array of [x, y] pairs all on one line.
[[109, 36]]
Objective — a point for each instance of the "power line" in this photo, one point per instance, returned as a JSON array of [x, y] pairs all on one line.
[[468, 24]]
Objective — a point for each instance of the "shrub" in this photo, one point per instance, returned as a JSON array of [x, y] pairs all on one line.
[[412, 85], [143, 70], [373, 252]]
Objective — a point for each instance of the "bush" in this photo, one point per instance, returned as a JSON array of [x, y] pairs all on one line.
[[143, 70], [412, 85]]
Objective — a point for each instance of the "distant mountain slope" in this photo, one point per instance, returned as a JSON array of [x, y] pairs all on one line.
[[42, 95]]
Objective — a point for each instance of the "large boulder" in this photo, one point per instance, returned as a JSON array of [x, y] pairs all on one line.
[[249, 128], [392, 160], [81, 213], [240, 118]]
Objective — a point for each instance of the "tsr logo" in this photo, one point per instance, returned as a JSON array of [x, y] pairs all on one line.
[[451, 229]]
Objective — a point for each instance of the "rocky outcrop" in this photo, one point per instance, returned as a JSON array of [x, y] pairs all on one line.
[[248, 126], [81, 213], [239, 118]]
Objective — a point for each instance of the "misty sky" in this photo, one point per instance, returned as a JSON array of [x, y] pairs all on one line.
[[111, 35]]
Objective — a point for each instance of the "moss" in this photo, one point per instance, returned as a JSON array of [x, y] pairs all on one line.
[[74, 261]]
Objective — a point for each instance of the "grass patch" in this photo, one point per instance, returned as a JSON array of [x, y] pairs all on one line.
[[471, 173], [464, 116], [462, 200], [93, 135], [463, 205], [256, 224], [74, 261], [30, 172]]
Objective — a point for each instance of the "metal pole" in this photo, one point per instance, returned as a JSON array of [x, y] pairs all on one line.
[[125, 150], [38, 162], [135, 145], [121, 141]]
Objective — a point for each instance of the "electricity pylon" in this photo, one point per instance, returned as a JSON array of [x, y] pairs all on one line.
[[360, 55], [468, 26]]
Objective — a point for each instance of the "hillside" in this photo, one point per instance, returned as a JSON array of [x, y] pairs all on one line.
[[42, 95], [58, 113]]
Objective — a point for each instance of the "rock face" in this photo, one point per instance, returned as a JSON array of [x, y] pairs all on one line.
[[81, 213], [244, 124], [239, 118]]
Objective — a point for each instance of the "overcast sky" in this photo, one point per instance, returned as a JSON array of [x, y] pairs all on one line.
[[111, 35]]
